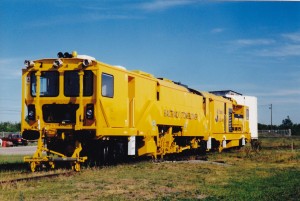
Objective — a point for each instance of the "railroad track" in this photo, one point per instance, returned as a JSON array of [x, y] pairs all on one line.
[[168, 159], [26, 176], [37, 177]]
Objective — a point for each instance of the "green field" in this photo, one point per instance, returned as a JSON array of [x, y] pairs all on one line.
[[270, 174]]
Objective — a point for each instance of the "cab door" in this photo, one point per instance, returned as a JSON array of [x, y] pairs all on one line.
[[114, 98]]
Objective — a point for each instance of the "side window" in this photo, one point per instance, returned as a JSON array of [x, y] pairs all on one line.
[[247, 114], [32, 84], [107, 85]]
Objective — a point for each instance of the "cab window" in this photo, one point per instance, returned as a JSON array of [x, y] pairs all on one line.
[[107, 85], [49, 84], [71, 83]]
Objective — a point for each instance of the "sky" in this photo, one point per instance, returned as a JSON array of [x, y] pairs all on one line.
[[249, 47]]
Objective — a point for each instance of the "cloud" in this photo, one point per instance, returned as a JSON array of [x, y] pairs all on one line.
[[11, 68], [254, 42], [264, 102], [295, 37], [286, 101], [217, 30], [281, 45], [280, 93], [89, 13], [97, 17], [83, 18], [107, 11], [288, 45], [166, 4], [281, 51]]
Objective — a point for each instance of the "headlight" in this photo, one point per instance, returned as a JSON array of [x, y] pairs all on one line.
[[87, 62], [28, 63], [89, 112], [31, 112], [57, 63]]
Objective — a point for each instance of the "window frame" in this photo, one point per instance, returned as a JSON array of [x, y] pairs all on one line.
[[71, 72], [33, 77], [112, 92], [85, 80], [247, 114]]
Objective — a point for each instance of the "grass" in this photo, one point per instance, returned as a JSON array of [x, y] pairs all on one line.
[[277, 142], [11, 166], [4, 159], [271, 174]]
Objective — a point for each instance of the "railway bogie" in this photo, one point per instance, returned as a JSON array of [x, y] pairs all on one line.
[[82, 110]]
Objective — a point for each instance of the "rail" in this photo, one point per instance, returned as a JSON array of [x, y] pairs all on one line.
[[69, 173]]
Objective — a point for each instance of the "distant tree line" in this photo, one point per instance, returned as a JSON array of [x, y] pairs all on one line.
[[286, 124], [10, 127]]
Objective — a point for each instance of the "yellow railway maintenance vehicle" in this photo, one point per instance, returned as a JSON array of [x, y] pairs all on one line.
[[81, 109]]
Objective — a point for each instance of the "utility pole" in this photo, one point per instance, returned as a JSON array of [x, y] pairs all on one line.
[[271, 108]]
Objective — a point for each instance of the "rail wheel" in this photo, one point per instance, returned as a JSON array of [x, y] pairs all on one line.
[[33, 166], [76, 166]]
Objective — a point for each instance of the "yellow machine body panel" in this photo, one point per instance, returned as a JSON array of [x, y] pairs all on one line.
[[84, 99]]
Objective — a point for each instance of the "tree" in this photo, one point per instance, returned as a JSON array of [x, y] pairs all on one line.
[[10, 127], [296, 129], [287, 123]]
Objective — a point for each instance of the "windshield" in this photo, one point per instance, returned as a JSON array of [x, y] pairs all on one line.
[[49, 84], [71, 83]]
